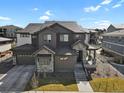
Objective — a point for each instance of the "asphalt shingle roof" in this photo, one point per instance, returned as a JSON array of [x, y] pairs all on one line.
[[11, 27], [119, 26], [24, 49], [71, 25], [115, 33], [32, 27]]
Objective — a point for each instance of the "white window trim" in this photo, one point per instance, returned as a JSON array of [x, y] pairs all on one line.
[[64, 37]]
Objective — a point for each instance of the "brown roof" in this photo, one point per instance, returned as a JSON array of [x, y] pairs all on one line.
[[119, 26], [9, 27], [31, 27], [71, 25]]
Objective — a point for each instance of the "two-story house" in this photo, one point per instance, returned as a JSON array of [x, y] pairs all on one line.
[[113, 43], [53, 46]]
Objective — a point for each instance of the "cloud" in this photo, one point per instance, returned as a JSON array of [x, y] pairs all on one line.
[[2, 18], [106, 2], [95, 8], [46, 15], [118, 4], [35, 9], [92, 8], [102, 24], [48, 12], [44, 18]]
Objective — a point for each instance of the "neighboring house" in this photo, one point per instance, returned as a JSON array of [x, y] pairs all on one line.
[[113, 43], [53, 46], [93, 39], [5, 46], [112, 27], [9, 31]]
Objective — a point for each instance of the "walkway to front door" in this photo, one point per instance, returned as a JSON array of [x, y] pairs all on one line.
[[81, 79]]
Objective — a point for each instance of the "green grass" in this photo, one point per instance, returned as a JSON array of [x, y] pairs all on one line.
[[115, 84]]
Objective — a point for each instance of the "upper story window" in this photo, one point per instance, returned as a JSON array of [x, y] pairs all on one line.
[[64, 38], [24, 35], [48, 37]]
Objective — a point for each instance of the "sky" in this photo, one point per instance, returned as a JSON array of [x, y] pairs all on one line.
[[87, 13]]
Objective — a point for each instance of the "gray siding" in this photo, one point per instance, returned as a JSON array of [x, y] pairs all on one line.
[[113, 39], [60, 30], [35, 40], [65, 65], [56, 31], [116, 48], [41, 40], [81, 37]]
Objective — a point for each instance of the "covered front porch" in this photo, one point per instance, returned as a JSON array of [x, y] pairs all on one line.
[[44, 59], [81, 51]]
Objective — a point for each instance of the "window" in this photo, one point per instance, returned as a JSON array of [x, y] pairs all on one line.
[[77, 36], [47, 37], [64, 38], [24, 35], [63, 58]]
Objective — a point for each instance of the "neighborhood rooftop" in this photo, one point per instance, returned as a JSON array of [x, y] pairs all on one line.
[[115, 33], [119, 26], [71, 25], [10, 27]]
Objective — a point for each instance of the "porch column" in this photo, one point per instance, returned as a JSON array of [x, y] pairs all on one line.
[[89, 52], [52, 60]]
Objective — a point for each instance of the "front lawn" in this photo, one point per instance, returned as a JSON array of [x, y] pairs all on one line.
[[58, 82], [115, 84]]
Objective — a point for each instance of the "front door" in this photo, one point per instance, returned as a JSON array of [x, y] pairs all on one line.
[[80, 56]]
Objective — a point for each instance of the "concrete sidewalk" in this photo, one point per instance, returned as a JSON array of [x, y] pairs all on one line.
[[81, 79], [56, 92]]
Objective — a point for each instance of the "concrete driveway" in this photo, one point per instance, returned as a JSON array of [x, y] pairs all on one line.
[[16, 78]]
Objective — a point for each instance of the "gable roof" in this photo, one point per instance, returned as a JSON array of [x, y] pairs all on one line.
[[118, 26], [46, 47], [35, 27], [71, 25], [32, 27], [115, 33]]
